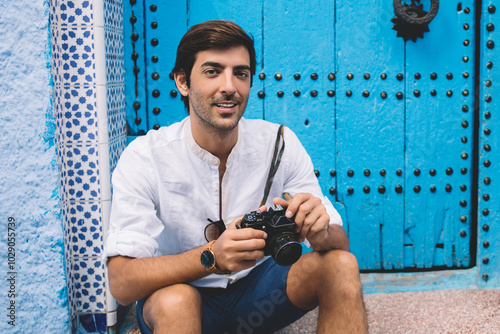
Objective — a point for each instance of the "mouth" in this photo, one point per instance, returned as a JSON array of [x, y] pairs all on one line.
[[226, 105]]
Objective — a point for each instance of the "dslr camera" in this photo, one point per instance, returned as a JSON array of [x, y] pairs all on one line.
[[281, 242]]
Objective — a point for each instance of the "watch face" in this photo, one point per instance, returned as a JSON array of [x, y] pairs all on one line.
[[207, 259]]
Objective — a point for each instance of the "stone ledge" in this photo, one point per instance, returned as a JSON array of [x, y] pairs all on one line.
[[423, 312]]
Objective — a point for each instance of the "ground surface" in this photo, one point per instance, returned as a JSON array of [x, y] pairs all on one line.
[[440, 312]]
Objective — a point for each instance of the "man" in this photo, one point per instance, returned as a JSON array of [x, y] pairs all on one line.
[[213, 165]]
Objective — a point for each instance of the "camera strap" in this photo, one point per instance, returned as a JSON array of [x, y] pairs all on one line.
[[278, 153]]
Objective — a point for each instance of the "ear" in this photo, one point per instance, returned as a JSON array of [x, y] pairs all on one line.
[[181, 83]]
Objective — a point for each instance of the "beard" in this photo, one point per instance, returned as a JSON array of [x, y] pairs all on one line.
[[210, 118]]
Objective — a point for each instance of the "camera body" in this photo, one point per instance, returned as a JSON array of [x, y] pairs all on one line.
[[281, 242]]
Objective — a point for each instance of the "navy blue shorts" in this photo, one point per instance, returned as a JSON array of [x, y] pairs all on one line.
[[256, 303]]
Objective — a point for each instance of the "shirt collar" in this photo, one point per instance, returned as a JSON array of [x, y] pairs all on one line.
[[205, 155]]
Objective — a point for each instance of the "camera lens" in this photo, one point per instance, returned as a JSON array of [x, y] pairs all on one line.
[[285, 249]]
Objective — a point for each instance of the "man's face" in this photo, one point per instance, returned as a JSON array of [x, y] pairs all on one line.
[[220, 86]]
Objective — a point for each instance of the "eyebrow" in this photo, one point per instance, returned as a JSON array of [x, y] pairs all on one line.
[[219, 65]]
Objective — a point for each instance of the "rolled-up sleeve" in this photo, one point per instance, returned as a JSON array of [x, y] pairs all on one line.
[[134, 223]]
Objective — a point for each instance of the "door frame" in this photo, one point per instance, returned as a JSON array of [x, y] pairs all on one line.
[[486, 272]]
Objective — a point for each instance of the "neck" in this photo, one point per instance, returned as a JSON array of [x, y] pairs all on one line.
[[219, 143]]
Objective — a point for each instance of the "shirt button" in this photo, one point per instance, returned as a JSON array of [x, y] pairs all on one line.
[[215, 162], [216, 186]]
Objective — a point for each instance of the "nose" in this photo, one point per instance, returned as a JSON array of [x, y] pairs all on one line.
[[228, 85]]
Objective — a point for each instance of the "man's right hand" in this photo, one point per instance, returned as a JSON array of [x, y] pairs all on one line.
[[131, 279], [239, 249]]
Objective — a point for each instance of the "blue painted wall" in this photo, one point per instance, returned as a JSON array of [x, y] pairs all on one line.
[[29, 175]]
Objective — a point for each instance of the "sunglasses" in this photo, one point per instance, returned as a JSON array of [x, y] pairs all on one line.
[[214, 229]]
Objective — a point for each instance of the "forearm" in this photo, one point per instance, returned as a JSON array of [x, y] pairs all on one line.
[[131, 279]]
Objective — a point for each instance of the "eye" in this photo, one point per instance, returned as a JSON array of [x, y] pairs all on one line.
[[211, 72], [242, 74]]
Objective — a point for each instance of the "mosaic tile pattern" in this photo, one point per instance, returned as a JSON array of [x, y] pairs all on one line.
[[84, 224], [115, 69], [88, 75], [115, 149], [71, 289], [74, 47], [79, 172], [89, 286], [116, 111], [76, 115], [113, 14], [73, 12]]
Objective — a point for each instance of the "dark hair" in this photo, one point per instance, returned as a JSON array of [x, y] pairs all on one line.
[[207, 35]]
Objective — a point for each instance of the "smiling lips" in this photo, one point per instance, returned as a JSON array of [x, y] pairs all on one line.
[[226, 105]]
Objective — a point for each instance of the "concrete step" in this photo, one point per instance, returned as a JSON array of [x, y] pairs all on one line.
[[439, 311]]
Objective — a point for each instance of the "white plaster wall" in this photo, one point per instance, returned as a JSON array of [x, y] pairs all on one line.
[[29, 174]]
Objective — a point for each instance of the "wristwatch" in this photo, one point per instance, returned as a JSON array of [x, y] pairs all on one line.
[[208, 260]]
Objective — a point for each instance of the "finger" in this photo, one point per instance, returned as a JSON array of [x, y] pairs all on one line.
[[245, 234], [322, 222], [280, 201], [239, 260], [308, 214], [230, 253], [297, 202], [234, 223], [314, 222], [304, 208], [245, 259], [307, 225], [287, 196], [247, 245]]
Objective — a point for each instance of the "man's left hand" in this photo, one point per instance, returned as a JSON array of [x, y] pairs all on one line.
[[311, 219]]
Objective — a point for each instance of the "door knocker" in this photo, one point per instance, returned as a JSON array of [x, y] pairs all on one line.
[[412, 20]]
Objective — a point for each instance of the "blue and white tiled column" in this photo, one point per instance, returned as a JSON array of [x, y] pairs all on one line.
[[89, 106]]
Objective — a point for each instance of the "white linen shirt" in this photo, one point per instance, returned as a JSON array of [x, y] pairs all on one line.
[[165, 187]]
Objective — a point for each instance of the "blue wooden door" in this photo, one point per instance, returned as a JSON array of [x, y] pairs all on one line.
[[389, 124]]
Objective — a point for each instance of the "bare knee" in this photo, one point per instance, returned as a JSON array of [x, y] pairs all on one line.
[[331, 263], [332, 275], [343, 268], [340, 296], [180, 301], [343, 261]]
